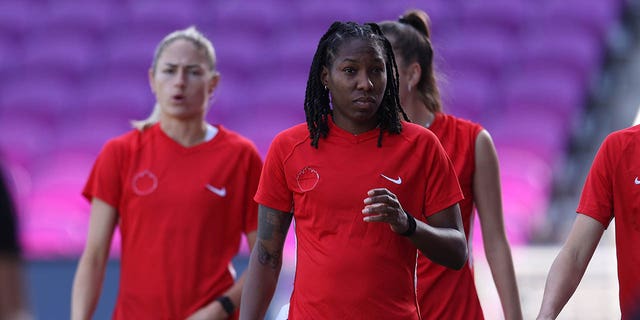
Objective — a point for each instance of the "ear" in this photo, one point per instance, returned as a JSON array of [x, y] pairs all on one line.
[[324, 76], [414, 71], [151, 82], [213, 83]]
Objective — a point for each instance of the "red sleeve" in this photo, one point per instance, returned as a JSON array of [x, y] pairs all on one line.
[[253, 177], [105, 181], [597, 198], [443, 189], [273, 191]]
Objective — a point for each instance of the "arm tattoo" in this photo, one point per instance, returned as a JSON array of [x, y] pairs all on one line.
[[273, 224], [273, 260], [272, 231]]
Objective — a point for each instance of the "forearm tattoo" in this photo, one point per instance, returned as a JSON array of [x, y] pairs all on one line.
[[267, 258], [273, 225], [272, 231]]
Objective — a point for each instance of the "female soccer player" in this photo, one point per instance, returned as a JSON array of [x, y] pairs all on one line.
[[181, 191], [444, 293], [365, 189]]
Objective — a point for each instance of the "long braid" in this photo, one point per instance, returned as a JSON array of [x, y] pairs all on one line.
[[317, 103], [390, 107], [316, 100]]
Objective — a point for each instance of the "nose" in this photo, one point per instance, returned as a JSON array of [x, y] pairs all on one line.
[[364, 82], [180, 78]]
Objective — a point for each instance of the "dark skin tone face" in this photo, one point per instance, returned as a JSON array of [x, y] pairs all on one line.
[[356, 80]]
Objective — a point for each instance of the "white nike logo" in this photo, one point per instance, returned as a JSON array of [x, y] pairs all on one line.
[[637, 181], [396, 181], [219, 191]]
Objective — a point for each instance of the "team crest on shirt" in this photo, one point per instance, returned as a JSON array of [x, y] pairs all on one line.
[[307, 179], [144, 183]]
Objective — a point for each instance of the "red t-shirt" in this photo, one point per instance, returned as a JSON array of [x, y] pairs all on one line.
[[612, 190], [182, 212], [348, 268], [444, 293]]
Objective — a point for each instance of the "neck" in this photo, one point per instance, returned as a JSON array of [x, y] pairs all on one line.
[[185, 132], [418, 113]]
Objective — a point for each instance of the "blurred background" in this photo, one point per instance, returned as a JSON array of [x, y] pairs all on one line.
[[547, 78]]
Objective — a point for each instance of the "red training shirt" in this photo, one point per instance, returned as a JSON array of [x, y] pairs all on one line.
[[348, 268], [444, 293], [181, 215], [612, 190]]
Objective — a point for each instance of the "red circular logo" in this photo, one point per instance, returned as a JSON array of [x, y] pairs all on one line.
[[144, 183], [307, 179]]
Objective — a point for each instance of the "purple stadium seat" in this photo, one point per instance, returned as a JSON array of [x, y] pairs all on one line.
[[596, 17], [66, 53], [468, 95], [166, 16], [237, 53], [125, 95], [9, 50], [295, 51], [42, 96], [563, 48], [89, 135], [485, 50], [540, 132], [131, 51], [16, 17], [505, 15], [91, 16], [24, 138], [284, 95], [322, 13], [553, 89], [261, 18]]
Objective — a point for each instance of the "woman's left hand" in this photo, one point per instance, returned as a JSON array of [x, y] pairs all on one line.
[[382, 205]]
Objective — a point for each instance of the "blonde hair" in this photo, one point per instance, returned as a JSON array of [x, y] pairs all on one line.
[[200, 41]]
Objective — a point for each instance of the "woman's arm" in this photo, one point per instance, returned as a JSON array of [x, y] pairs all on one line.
[[87, 283], [488, 201], [442, 239], [569, 266], [265, 262]]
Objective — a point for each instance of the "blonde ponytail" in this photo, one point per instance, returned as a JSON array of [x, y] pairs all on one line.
[[153, 118]]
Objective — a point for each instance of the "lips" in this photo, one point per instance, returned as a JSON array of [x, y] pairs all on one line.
[[365, 100]]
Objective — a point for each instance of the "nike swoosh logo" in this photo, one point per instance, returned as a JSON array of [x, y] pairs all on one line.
[[637, 181], [396, 181], [222, 192]]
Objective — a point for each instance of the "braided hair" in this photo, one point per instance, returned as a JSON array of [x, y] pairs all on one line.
[[316, 102]]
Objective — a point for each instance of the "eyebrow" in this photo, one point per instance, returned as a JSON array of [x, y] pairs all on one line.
[[189, 66]]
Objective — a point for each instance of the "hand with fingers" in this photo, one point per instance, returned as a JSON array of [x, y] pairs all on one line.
[[381, 205]]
